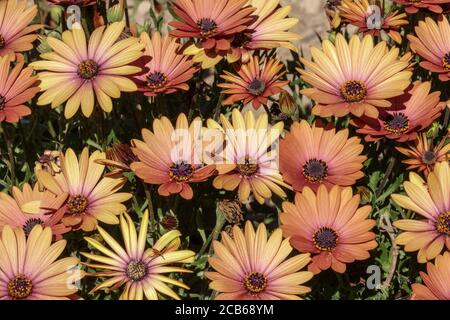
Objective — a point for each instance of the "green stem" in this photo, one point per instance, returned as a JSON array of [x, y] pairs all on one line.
[[9, 147], [214, 235], [386, 176], [151, 212]]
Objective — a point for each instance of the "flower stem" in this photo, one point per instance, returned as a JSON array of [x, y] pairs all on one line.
[[151, 212], [9, 144], [220, 221]]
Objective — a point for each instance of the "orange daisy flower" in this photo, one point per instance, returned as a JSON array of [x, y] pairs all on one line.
[[437, 280], [135, 266], [89, 196], [94, 70], [330, 226], [357, 12], [17, 86], [29, 207], [168, 70], [30, 268], [310, 156], [252, 267], [15, 33], [411, 112], [213, 23], [422, 157], [248, 161], [268, 31], [413, 6], [430, 200], [433, 44], [355, 77], [168, 156], [254, 83]]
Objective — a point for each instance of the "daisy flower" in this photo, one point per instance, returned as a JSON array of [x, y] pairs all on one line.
[[30, 270], [270, 30], [355, 77], [17, 86], [311, 156], [436, 280], [89, 196], [16, 35], [433, 45], [141, 270], [431, 201], [422, 157], [253, 267], [330, 226], [249, 160], [168, 70], [29, 207], [357, 13], [213, 23], [168, 156], [254, 83], [91, 72], [410, 113], [413, 6]]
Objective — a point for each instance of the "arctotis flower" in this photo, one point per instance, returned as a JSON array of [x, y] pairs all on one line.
[[29, 207], [431, 201], [29, 269], [248, 161], [410, 113], [436, 280], [89, 196], [17, 86], [253, 267], [141, 270], [330, 226], [433, 45], [413, 6], [357, 13], [213, 23], [310, 156], [355, 77], [93, 72], [254, 83], [16, 35], [168, 70], [423, 156], [270, 30], [169, 156]]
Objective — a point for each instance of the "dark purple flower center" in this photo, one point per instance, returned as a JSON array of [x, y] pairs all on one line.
[[315, 170], [241, 39], [19, 287], [207, 26], [397, 124], [181, 171], [256, 87], [156, 80], [2, 102], [325, 239], [446, 61], [443, 223], [255, 282], [353, 91], [2, 42], [429, 157], [87, 69], [30, 224], [136, 270]]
